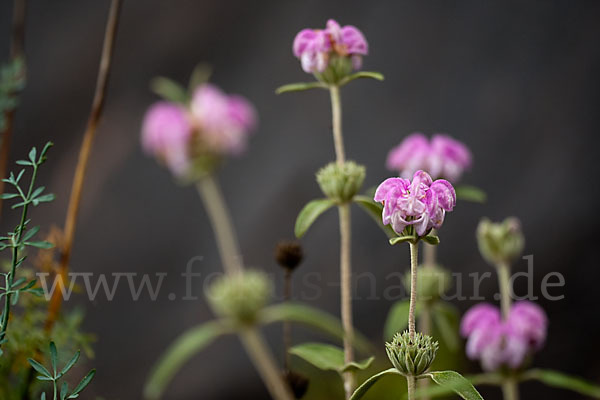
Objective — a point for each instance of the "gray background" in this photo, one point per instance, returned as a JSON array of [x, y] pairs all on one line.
[[516, 80]]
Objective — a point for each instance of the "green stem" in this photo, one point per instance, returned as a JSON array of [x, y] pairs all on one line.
[[412, 387], [414, 253], [10, 278], [336, 111], [505, 289], [510, 389], [346, 294], [227, 242], [54, 390], [265, 364]]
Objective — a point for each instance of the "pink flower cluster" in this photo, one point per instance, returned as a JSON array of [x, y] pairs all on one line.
[[499, 343], [314, 47], [214, 123], [421, 203], [442, 157]]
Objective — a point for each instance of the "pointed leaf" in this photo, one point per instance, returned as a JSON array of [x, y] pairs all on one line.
[[362, 74], [70, 364], [457, 383], [40, 245], [178, 353], [446, 319], [300, 86], [431, 239], [358, 365], [470, 193], [82, 385], [322, 356], [362, 389], [39, 368], [401, 239], [310, 213], [32, 156], [200, 75], [313, 318], [169, 90], [563, 381], [64, 391], [53, 357], [374, 210], [8, 196]]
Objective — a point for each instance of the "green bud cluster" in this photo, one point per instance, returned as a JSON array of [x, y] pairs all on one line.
[[339, 67], [240, 296], [500, 242], [432, 282], [341, 182], [411, 357]]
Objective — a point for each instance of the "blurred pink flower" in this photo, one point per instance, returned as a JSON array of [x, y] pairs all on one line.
[[442, 157], [166, 133], [422, 202], [495, 342], [215, 124], [223, 122], [314, 47]]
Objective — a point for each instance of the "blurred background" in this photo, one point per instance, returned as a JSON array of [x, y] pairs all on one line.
[[517, 81]]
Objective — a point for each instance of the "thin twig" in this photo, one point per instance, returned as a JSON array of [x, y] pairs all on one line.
[[84, 156]]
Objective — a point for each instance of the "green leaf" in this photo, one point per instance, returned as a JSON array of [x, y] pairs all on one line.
[[310, 213], [397, 319], [82, 385], [64, 391], [431, 239], [53, 357], [169, 90], [40, 245], [70, 364], [44, 151], [44, 199], [374, 210], [470, 193], [362, 74], [179, 352], [359, 365], [313, 318], [32, 156], [31, 233], [446, 319], [200, 75], [39, 368], [402, 239], [322, 356], [559, 380], [328, 357], [362, 389], [297, 87], [8, 196], [43, 396], [457, 383]]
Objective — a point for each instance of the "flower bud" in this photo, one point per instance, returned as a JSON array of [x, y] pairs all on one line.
[[411, 357], [500, 242], [432, 282], [341, 182], [240, 296], [289, 254]]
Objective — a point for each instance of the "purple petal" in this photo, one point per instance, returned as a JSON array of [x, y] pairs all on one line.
[[354, 40], [479, 314], [445, 193]]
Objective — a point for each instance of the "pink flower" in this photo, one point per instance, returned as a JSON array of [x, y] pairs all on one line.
[[314, 47], [223, 121], [495, 342], [166, 133], [422, 203], [442, 157], [214, 125]]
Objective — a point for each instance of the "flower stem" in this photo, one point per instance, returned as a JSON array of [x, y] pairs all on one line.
[[336, 111], [510, 389], [412, 387], [505, 289], [227, 242], [84, 156], [346, 294], [265, 364], [414, 253]]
